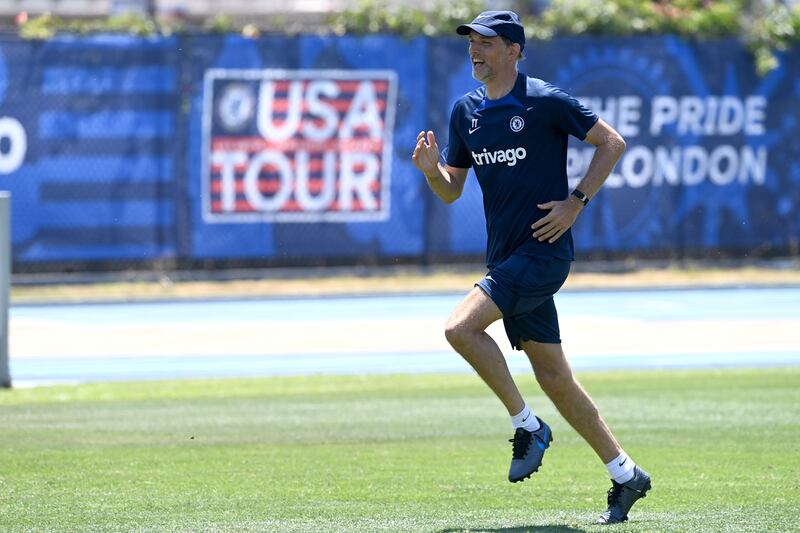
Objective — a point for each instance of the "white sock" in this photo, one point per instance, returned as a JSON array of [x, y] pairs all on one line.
[[620, 469], [526, 420]]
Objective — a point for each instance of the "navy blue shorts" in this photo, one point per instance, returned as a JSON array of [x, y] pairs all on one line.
[[522, 287]]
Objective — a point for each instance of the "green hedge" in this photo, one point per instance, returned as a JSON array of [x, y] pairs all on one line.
[[637, 17], [766, 26]]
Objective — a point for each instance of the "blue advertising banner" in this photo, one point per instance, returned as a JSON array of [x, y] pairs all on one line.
[[86, 147], [712, 163], [297, 149], [300, 147]]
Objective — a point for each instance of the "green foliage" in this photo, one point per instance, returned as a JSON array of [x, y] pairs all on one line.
[[131, 23], [776, 30], [767, 26], [636, 17], [47, 25], [576, 17], [374, 16], [221, 23], [694, 18], [41, 27]]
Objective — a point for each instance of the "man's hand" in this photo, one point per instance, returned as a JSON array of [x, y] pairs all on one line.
[[426, 154], [445, 181], [561, 217]]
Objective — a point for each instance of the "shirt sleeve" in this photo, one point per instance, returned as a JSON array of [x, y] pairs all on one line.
[[456, 153], [569, 115]]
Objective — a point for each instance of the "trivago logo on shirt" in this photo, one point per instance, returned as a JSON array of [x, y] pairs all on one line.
[[509, 156]]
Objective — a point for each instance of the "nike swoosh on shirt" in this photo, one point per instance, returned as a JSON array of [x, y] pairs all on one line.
[[473, 130]]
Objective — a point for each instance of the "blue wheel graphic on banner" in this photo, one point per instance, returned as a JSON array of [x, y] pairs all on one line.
[[616, 83], [721, 189], [699, 135]]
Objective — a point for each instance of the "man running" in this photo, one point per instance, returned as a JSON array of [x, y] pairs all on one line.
[[513, 132]]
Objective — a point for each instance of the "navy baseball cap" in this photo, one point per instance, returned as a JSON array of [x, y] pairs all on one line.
[[494, 23]]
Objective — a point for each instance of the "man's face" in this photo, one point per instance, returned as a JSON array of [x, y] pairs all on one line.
[[489, 55]]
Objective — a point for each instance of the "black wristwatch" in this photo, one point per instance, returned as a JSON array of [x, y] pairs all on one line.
[[580, 196]]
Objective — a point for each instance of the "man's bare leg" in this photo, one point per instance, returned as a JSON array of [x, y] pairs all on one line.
[[557, 381], [466, 333]]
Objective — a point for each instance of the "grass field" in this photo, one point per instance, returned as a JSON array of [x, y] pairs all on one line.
[[392, 453]]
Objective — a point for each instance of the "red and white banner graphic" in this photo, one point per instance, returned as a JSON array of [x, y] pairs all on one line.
[[297, 145]]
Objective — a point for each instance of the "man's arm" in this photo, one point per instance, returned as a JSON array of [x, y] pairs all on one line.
[[445, 181], [609, 147]]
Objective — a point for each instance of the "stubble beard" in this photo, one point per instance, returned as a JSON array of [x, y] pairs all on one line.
[[485, 73]]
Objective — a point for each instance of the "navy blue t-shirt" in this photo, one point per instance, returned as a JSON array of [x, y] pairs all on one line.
[[517, 146]]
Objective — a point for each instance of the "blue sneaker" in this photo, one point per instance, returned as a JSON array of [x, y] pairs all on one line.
[[622, 496], [528, 450]]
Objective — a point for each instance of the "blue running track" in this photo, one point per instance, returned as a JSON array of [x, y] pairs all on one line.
[[391, 334]]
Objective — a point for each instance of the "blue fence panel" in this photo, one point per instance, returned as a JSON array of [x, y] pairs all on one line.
[[712, 163], [296, 149], [96, 119], [300, 147]]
